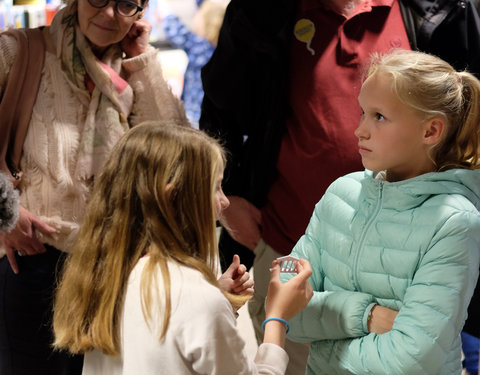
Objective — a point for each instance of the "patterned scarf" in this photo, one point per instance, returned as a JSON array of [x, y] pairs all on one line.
[[111, 97]]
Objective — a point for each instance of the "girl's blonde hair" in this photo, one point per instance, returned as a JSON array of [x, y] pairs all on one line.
[[433, 88], [155, 197]]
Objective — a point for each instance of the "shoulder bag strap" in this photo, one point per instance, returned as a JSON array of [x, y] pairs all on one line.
[[19, 97]]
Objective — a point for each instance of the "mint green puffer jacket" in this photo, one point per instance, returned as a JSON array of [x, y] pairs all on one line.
[[412, 246]]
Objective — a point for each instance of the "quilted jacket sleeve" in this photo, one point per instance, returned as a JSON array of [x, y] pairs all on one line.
[[433, 312], [329, 314], [434, 308]]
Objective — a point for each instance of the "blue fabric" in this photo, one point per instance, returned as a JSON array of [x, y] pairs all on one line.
[[199, 50], [470, 346]]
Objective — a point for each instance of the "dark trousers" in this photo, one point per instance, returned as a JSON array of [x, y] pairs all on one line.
[[26, 304]]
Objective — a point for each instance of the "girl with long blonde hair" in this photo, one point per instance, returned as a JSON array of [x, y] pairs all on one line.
[[139, 294]]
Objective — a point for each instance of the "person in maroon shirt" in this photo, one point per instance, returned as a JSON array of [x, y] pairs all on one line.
[[281, 92]]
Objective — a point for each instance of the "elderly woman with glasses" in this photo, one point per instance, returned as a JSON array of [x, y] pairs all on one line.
[[100, 77]]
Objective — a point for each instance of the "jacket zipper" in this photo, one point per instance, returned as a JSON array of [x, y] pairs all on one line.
[[364, 234]]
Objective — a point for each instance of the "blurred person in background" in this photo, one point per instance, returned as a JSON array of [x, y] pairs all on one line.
[[198, 43]]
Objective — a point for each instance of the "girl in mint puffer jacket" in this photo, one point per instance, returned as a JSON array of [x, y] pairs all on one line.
[[395, 249]]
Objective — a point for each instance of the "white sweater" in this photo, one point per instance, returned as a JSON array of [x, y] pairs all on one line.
[[202, 336], [49, 188]]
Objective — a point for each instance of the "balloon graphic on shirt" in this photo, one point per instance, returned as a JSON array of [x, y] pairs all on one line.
[[304, 31]]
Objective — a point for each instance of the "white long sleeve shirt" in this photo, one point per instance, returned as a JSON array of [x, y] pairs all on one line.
[[202, 336]]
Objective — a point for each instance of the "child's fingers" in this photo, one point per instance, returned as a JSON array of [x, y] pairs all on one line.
[[304, 269], [275, 271], [305, 264], [233, 268], [243, 279], [241, 271], [246, 284], [236, 260], [299, 266]]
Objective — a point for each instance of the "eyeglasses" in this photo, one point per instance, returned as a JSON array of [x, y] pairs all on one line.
[[125, 8]]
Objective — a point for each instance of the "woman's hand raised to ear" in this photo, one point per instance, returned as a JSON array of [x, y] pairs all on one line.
[[285, 300], [137, 40]]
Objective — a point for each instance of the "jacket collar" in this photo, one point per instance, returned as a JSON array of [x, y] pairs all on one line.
[[414, 191]]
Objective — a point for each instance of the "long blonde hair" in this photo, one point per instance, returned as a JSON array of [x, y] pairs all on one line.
[[155, 197], [433, 88]]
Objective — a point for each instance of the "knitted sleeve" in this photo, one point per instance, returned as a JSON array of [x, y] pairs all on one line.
[[154, 99]]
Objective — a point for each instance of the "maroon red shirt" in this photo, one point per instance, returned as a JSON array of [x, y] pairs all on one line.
[[319, 145]]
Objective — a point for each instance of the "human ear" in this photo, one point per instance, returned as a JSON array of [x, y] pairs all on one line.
[[434, 129]]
